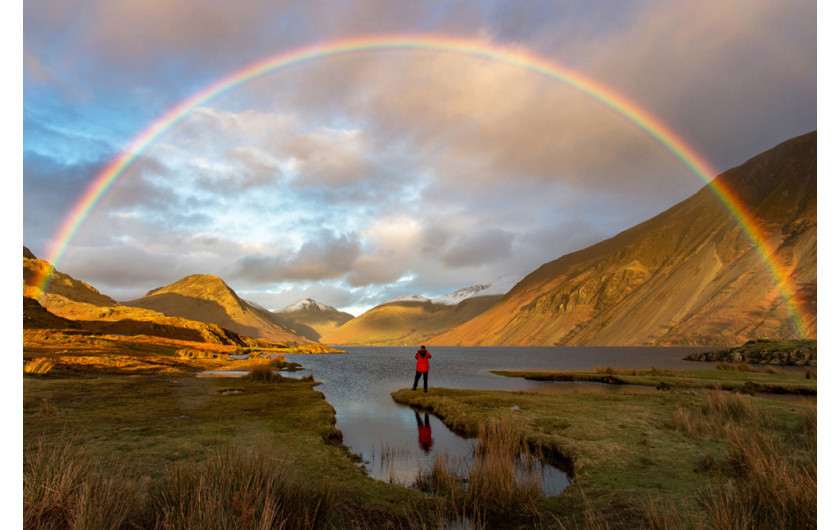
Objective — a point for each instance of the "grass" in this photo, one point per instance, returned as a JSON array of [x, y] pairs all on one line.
[[495, 485], [637, 466], [170, 431], [728, 377], [39, 366]]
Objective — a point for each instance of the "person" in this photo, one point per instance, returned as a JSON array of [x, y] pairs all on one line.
[[422, 357]]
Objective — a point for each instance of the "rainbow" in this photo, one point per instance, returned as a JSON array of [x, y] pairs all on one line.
[[645, 121]]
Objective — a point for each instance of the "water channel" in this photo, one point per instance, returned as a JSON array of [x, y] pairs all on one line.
[[396, 441]]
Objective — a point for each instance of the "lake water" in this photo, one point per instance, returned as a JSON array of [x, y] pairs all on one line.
[[395, 441]]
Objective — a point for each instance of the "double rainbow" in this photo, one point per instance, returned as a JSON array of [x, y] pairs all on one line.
[[473, 48]]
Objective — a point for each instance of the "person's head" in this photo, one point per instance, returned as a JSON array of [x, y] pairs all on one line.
[[422, 347]]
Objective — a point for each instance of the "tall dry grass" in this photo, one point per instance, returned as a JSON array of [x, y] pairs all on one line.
[[232, 488], [62, 488], [264, 374], [770, 485], [716, 411], [39, 366], [239, 488], [734, 367], [498, 483]]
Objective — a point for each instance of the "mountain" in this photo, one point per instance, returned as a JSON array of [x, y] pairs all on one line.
[[687, 276], [311, 319], [410, 320], [60, 286], [70, 304], [209, 299]]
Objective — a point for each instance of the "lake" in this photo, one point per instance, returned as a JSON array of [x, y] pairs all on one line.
[[395, 441]]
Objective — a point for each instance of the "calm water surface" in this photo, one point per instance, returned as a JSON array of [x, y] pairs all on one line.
[[395, 441]]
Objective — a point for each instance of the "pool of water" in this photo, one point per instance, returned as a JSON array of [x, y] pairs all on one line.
[[396, 442]]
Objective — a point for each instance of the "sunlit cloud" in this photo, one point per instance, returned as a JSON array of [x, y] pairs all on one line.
[[358, 178]]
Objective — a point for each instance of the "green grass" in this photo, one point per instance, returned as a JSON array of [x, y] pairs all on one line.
[[743, 381], [145, 430], [633, 465]]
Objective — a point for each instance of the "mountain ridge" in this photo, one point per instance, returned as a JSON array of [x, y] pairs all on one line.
[[685, 276]]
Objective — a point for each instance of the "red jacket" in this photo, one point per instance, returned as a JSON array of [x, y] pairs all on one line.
[[422, 360]]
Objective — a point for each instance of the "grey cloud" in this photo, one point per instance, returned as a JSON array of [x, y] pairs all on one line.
[[479, 248], [326, 257]]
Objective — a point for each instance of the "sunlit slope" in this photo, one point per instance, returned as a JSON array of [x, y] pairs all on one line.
[[73, 304], [406, 323], [686, 276], [209, 299]]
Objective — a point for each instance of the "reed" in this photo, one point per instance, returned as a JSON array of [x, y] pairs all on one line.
[[239, 488], [496, 485], [734, 367], [62, 488], [716, 410], [770, 485]]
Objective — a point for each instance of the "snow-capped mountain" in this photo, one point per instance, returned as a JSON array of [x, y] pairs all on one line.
[[306, 304], [408, 298], [501, 285]]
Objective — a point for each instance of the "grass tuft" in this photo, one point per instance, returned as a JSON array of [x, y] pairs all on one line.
[[770, 486], [239, 488], [810, 373], [264, 374], [39, 366], [63, 489], [716, 411], [736, 367]]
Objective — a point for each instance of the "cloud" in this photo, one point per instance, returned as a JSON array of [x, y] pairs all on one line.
[[325, 257], [480, 248]]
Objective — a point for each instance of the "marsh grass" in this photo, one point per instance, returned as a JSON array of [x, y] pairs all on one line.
[[716, 410], [239, 488], [39, 366], [736, 367], [62, 488], [230, 488], [263, 374], [810, 373], [769, 485], [496, 484]]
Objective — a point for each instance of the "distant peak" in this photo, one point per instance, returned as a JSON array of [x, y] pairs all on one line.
[[306, 304], [408, 298]]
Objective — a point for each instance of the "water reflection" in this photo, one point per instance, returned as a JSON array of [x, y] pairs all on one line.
[[424, 433], [388, 436]]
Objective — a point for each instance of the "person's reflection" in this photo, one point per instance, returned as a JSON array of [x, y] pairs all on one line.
[[424, 433]]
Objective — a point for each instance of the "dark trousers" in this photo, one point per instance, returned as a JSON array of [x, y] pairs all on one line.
[[425, 380]]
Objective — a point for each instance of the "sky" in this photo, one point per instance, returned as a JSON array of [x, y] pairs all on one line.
[[353, 179]]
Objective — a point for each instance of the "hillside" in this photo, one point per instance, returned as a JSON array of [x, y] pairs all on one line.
[[405, 323], [687, 276], [311, 319], [209, 299], [70, 304]]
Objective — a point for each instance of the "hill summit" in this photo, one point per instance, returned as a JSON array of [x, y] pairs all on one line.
[[208, 298]]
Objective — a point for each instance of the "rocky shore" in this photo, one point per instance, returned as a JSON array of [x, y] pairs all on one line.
[[765, 351]]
